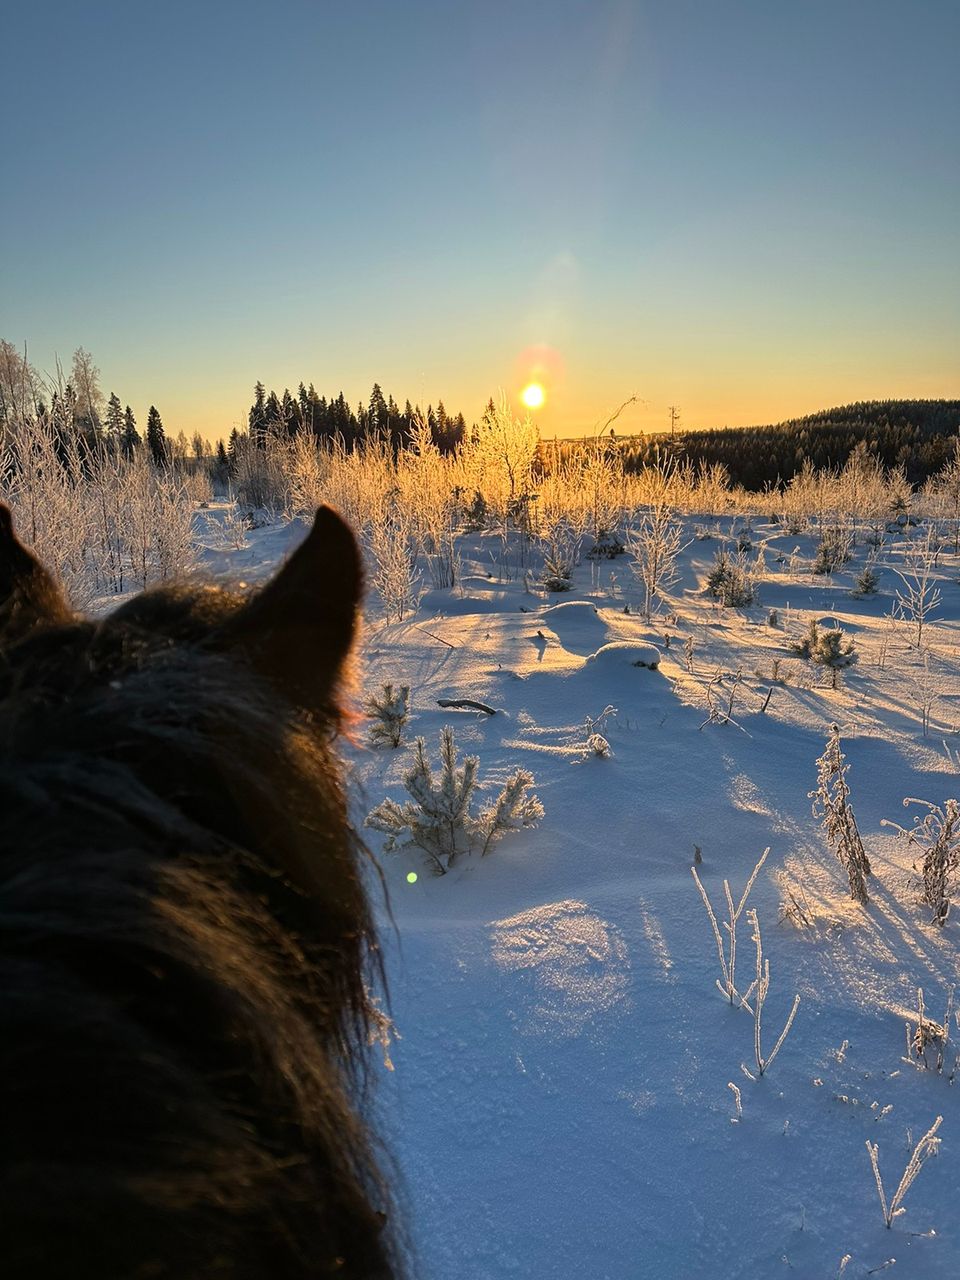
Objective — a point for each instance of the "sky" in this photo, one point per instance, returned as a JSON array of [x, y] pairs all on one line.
[[749, 210]]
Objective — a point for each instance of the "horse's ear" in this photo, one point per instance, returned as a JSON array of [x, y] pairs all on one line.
[[28, 594], [298, 630]]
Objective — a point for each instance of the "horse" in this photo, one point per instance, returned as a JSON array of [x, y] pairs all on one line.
[[187, 948]]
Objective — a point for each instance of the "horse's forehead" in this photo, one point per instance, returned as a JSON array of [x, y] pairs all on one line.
[[173, 609]]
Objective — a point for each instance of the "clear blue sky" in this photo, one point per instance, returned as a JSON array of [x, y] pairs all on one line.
[[749, 209]]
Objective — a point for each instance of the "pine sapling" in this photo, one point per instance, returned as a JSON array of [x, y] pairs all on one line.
[[867, 582], [513, 810], [438, 818], [389, 711], [826, 648], [831, 803]]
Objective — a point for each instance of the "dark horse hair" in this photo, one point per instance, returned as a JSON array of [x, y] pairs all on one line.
[[186, 944]]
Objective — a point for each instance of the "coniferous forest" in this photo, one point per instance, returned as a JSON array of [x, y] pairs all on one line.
[[914, 434]]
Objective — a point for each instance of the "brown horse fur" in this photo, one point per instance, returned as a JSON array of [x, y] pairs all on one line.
[[186, 946]]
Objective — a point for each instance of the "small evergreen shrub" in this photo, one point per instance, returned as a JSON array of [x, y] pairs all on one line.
[[833, 551], [389, 711], [729, 582], [826, 648], [438, 819], [557, 571], [607, 546], [867, 582]]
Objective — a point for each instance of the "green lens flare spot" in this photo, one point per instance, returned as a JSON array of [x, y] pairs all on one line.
[[411, 877]]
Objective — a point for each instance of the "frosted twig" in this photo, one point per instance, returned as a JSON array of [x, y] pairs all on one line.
[[927, 1146], [737, 1102], [762, 985], [728, 966]]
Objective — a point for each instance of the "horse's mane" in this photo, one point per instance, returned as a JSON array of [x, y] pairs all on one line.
[[186, 947]]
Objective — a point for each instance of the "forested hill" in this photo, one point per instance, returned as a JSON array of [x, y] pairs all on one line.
[[916, 434]]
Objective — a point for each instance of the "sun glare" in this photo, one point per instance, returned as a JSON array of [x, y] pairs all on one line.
[[533, 395]]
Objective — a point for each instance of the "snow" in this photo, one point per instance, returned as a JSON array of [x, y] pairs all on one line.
[[625, 653], [560, 1103]]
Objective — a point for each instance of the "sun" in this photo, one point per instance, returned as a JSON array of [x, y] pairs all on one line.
[[533, 395]]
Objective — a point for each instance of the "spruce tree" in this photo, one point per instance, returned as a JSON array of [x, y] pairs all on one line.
[[377, 411], [257, 419], [131, 436], [114, 418], [272, 418], [156, 438]]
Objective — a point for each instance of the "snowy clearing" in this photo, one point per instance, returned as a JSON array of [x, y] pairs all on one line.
[[561, 1103]]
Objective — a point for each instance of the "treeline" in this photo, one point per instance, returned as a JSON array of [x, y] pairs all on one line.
[[380, 419], [915, 434], [74, 405]]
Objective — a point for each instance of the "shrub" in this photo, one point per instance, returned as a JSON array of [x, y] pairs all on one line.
[[730, 583], [557, 571], [607, 546], [831, 803], [389, 711], [833, 551], [936, 834], [867, 582], [438, 818], [596, 743], [826, 648]]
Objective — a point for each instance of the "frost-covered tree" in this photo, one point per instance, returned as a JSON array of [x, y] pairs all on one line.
[[831, 803], [438, 819], [502, 443], [389, 711], [395, 574], [919, 597], [947, 485], [85, 381], [654, 545], [19, 385]]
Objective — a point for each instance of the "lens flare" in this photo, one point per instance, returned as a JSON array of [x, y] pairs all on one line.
[[533, 395], [411, 877]]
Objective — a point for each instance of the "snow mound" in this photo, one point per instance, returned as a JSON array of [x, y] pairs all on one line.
[[569, 610], [626, 653], [829, 622]]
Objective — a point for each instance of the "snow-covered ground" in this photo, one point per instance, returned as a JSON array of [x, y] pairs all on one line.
[[560, 1103]]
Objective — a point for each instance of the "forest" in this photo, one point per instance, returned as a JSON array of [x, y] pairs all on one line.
[[912, 434]]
